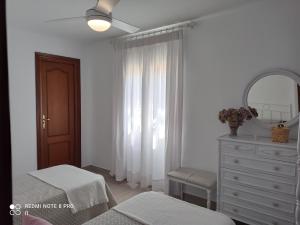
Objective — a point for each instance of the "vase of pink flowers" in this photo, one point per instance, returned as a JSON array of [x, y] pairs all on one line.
[[236, 117]]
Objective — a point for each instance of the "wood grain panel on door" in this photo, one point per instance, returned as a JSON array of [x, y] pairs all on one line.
[[58, 110], [60, 100]]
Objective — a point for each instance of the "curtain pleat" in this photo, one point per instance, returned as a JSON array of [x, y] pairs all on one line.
[[147, 110]]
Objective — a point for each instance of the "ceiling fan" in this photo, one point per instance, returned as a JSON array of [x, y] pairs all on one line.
[[99, 18]]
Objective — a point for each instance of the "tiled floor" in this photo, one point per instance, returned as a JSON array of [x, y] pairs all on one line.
[[120, 190]]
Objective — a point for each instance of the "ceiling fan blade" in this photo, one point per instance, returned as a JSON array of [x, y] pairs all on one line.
[[106, 6], [65, 19], [124, 26]]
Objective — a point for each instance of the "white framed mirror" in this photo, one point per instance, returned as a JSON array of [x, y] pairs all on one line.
[[276, 97]]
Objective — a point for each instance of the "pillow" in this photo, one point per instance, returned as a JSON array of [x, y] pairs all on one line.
[[32, 220]]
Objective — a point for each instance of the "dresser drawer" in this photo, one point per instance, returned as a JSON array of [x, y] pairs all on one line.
[[263, 182], [282, 197], [290, 217], [237, 148], [257, 180], [286, 208], [275, 167], [261, 218], [287, 155]]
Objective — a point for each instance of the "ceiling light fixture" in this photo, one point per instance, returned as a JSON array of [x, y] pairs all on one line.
[[97, 21], [99, 25]]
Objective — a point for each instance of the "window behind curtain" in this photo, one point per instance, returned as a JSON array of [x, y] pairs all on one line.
[[147, 109], [144, 114]]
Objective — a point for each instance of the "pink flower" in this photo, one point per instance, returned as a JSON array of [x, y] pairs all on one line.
[[237, 116]]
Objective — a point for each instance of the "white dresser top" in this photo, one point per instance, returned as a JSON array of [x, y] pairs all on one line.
[[251, 139]]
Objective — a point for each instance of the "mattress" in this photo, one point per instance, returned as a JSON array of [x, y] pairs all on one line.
[[112, 217], [45, 200], [158, 209]]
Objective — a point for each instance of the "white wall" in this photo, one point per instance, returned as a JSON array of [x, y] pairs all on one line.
[[223, 54], [21, 48], [98, 121]]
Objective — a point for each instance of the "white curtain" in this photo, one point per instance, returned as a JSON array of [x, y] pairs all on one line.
[[147, 113]]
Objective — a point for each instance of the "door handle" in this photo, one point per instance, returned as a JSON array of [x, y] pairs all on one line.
[[44, 119]]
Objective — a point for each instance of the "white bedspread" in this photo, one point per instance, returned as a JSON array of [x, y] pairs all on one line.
[[83, 188], [152, 208]]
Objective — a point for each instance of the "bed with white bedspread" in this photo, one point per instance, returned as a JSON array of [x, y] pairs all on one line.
[[30, 189], [152, 208]]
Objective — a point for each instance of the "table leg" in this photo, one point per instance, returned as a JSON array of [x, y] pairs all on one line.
[[181, 191], [208, 198]]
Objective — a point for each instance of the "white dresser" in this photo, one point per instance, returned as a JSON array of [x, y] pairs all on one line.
[[257, 180]]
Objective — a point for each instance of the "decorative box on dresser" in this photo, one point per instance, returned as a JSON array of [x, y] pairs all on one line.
[[257, 180]]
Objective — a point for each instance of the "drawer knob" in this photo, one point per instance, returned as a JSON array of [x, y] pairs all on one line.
[[276, 186], [235, 194], [275, 223], [277, 153], [236, 178], [276, 168], [236, 147], [275, 204], [236, 161]]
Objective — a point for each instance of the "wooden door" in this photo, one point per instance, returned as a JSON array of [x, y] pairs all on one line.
[[58, 110]]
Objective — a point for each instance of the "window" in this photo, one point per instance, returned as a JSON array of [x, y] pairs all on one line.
[[147, 109], [144, 114]]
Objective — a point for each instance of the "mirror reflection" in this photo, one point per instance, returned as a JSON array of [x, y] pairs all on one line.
[[275, 98]]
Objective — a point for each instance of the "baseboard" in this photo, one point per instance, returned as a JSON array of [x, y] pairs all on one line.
[[95, 168]]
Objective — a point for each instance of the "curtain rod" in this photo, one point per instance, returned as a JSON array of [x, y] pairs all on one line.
[[176, 26]]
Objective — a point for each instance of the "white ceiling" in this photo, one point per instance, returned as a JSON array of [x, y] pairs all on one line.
[[146, 14]]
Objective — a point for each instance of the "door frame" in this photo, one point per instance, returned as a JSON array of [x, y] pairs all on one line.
[[77, 116]]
